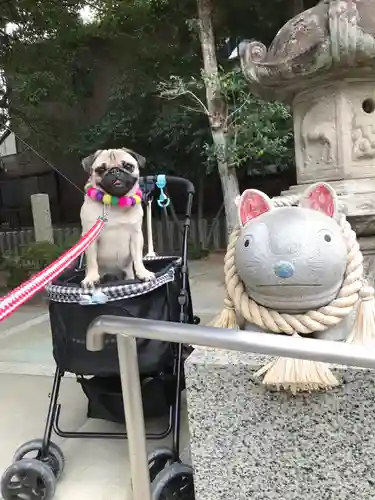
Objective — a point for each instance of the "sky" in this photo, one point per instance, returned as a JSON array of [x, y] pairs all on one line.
[[87, 15]]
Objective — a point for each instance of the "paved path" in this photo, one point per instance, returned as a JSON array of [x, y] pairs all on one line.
[[95, 470], [207, 286]]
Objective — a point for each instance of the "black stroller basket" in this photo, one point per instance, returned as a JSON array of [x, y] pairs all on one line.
[[70, 320], [167, 297], [157, 300]]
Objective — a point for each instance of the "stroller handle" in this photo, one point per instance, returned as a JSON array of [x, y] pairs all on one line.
[[171, 179]]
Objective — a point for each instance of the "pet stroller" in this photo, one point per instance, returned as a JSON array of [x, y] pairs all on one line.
[[39, 463]]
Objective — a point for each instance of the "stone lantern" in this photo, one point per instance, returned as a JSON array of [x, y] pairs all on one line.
[[322, 63]]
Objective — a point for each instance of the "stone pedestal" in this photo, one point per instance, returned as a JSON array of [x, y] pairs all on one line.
[[248, 443], [322, 63], [42, 217], [358, 198], [334, 131]]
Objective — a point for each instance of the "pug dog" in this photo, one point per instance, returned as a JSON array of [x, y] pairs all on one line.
[[119, 247]]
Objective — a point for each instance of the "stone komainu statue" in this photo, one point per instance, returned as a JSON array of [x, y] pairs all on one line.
[[297, 270]]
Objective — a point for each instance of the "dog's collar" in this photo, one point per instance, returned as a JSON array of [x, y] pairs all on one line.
[[108, 199]]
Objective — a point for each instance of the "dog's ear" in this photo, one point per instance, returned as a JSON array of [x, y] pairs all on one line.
[[141, 160], [89, 160]]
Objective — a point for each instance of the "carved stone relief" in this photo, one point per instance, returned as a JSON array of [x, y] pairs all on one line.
[[363, 130], [318, 135]]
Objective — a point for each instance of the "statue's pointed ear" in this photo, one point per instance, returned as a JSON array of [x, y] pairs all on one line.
[[141, 160], [321, 197], [251, 204], [89, 160]]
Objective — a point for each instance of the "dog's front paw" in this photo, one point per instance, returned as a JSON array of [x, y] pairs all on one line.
[[145, 275], [91, 279]]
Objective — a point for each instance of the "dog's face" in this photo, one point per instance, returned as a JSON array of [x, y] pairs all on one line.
[[116, 171]]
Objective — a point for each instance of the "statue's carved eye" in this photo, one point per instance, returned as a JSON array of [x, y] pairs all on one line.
[[248, 241], [328, 238]]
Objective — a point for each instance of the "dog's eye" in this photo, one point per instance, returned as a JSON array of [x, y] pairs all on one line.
[[128, 166], [100, 170]]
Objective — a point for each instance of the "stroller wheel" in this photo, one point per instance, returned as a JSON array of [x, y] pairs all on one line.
[[174, 483], [158, 460], [32, 449], [28, 479]]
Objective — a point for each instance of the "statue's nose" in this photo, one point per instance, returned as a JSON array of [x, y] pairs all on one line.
[[283, 269]]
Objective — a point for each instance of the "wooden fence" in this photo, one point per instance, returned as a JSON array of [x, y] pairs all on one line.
[[167, 236]]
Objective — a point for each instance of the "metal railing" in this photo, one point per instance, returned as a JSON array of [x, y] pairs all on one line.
[[128, 329]]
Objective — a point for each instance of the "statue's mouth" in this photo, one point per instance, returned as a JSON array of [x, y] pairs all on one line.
[[290, 285]]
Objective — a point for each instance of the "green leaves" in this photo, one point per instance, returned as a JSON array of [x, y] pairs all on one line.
[[259, 133], [132, 77], [39, 19]]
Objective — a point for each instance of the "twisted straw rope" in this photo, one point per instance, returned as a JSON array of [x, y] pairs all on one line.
[[313, 321]]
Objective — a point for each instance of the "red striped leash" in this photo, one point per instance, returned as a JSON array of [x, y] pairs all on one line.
[[13, 300]]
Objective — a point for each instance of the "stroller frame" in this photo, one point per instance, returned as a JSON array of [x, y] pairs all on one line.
[[174, 420]]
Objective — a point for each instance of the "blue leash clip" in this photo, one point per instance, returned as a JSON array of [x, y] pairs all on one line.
[[96, 298], [161, 182]]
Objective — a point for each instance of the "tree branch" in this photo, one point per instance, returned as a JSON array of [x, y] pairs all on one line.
[[238, 109], [173, 93]]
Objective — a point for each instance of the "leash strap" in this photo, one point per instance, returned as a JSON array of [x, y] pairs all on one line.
[[11, 302]]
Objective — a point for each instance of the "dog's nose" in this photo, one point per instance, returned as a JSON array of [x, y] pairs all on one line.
[[283, 269]]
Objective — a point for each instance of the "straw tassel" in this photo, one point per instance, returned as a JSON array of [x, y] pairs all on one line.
[[297, 375], [227, 318], [363, 332]]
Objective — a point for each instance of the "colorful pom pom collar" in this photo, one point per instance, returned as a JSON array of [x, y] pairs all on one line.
[[107, 199]]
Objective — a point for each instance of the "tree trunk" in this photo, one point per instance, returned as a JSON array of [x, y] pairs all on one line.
[[200, 200], [217, 110]]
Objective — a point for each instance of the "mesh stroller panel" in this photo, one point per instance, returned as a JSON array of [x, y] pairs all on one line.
[[70, 321]]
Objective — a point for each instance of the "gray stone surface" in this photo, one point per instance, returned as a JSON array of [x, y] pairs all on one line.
[[42, 217], [322, 62], [249, 443]]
